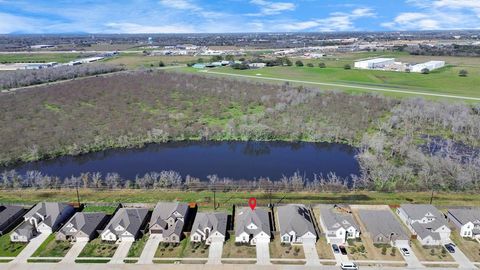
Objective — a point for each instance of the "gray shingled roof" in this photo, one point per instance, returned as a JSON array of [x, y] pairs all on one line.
[[382, 222], [24, 229], [7, 212], [84, 222], [50, 210], [334, 219], [214, 221], [131, 219], [418, 211], [295, 217], [164, 210], [465, 215], [244, 216]]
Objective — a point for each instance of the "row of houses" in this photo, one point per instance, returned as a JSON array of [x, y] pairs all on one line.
[[296, 223]]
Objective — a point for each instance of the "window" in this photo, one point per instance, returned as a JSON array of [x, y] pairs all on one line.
[[285, 238]]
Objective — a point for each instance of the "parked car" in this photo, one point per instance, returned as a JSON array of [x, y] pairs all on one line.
[[450, 248], [405, 252], [335, 248], [348, 266], [343, 250]]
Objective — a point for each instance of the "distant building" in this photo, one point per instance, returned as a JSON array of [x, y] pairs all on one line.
[[430, 65], [252, 226], [42, 46], [375, 63], [82, 227], [383, 227], [199, 66], [338, 224], [168, 220], [296, 224], [467, 220], [125, 225], [257, 65], [209, 226]]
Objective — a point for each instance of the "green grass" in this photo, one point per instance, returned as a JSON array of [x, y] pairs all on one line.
[[39, 57], [104, 209], [137, 246], [98, 248], [9, 249], [52, 248], [43, 260], [91, 261]]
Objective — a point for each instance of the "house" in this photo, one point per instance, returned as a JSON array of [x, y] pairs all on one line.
[[125, 225], [426, 222], [252, 226], [338, 224], [168, 220], [296, 224], [208, 226], [9, 217], [383, 227], [467, 220], [45, 217], [81, 227], [257, 65]]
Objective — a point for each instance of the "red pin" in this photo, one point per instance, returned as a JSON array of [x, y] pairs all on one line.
[[253, 203]]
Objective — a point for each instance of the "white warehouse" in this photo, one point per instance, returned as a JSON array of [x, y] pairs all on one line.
[[374, 63], [430, 65]]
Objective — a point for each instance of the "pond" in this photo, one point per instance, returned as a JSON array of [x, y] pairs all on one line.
[[234, 160]]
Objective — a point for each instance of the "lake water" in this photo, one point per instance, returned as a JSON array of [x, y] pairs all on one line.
[[236, 160]]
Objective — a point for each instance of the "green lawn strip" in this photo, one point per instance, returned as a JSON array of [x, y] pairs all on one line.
[[91, 261], [43, 260], [104, 209], [9, 249], [5, 260], [52, 248], [137, 246], [98, 248], [130, 261]]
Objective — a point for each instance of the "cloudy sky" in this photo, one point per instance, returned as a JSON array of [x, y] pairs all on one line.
[[214, 16]]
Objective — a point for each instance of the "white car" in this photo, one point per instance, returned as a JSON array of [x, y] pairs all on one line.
[[348, 266], [405, 251]]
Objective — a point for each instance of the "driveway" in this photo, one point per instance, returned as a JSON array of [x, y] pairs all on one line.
[[74, 251], [412, 260], [311, 254], [263, 252], [122, 252], [339, 258], [150, 248], [215, 251], [462, 260], [28, 251]]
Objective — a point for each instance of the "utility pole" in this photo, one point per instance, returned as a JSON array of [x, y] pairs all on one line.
[[431, 196], [78, 195], [214, 201]]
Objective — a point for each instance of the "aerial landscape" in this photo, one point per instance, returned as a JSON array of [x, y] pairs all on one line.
[[258, 134]]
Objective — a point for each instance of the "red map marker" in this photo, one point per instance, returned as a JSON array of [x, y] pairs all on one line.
[[253, 203]]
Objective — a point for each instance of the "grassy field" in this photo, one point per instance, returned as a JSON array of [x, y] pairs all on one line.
[[98, 248], [227, 199], [137, 60], [39, 57], [9, 249], [52, 248]]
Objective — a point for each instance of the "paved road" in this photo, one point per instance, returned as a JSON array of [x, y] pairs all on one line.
[[462, 260], [28, 251], [215, 251], [311, 254], [74, 251], [121, 252], [411, 260], [263, 252], [150, 248], [353, 86]]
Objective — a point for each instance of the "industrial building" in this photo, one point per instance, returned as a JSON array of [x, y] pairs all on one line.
[[376, 63], [430, 65]]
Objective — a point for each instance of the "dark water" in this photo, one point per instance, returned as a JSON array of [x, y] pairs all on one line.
[[236, 160]]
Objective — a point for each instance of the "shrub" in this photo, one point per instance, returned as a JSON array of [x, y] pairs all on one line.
[[322, 65], [347, 66], [299, 63], [384, 250], [463, 73], [309, 65]]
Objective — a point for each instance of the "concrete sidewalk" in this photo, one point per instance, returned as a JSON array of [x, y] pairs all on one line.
[[74, 251], [122, 252]]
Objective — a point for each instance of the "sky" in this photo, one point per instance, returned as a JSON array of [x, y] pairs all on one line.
[[219, 16]]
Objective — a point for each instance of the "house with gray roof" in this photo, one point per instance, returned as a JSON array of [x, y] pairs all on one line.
[[168, 220], [209, 226], [296, 224], [338, 224], [10, 215], [467, 221], [45, 217], [125, 225], [82, 227], [426, 222], [252, 226], [383, 227]]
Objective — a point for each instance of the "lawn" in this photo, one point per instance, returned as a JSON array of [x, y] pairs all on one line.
[[324, 249], [39, 57], [195, 250], [470, 247], [167, 250], [358, 251], [9, 249], [104, 209], [52, 248], [98, 248], [136, 60], [430, 253], [137, 246], [233, 250], [285, 251], [385, 252]]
